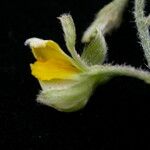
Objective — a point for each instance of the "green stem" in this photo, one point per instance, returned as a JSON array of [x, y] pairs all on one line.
[[111, 71], [143, 27]]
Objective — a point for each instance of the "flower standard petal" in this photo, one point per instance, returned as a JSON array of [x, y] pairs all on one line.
[[52, 62], [46, 49]]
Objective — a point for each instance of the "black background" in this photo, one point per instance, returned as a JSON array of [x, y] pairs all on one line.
[[117, 115]]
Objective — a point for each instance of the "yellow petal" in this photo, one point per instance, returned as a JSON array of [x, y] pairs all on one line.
[[52, 62], [44, 50], [53, 69]]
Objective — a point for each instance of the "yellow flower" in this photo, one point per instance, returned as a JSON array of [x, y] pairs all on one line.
[[51, 62], [59, 75], [66, 81]]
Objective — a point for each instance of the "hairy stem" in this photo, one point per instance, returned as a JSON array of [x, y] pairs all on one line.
[[143, 23], [111, 71]]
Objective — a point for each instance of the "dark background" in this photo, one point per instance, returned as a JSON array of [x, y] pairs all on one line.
[[117, 115]]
